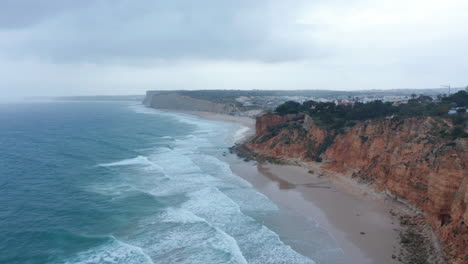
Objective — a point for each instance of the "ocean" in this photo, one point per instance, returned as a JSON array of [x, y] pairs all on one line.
[[115, 182]]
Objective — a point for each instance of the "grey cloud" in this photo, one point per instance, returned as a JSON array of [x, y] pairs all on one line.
[[125, 30], [60, 47], [23, 13]]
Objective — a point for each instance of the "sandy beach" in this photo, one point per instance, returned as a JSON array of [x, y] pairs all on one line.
[[363, 228], [359, 222]]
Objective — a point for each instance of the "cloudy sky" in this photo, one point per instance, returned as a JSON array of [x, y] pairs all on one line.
[[70, 47]]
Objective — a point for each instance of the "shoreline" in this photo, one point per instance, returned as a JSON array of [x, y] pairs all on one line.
[[242, 120], [364, 229], [361, 223]]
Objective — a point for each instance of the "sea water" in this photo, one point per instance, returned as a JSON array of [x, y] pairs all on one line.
[[115, 182]]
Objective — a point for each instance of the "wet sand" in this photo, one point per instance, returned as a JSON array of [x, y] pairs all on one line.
[[363, 228]]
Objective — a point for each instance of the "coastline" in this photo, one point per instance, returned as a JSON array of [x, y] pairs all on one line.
[[246, 131], [361, 223], [242, 120]]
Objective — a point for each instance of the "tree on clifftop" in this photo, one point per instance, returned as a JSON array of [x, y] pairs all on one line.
[[460, 98], [289, 107]]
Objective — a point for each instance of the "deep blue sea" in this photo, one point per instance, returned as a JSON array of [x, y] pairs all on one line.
[[114, 182]]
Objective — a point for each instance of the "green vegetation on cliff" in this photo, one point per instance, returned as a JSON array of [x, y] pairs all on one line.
[[338, 116]]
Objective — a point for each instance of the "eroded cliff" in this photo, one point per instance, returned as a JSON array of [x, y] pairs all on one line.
[[176, 101], [404, 157]]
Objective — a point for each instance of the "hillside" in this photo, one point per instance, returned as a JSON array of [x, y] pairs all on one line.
[[182, 102]]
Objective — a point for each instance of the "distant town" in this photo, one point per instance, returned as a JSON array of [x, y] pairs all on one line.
[[269, 102]]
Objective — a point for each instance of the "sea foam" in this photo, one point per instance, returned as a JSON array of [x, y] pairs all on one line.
[[114, 251], [240, 134], [207, 220], [139, 160]]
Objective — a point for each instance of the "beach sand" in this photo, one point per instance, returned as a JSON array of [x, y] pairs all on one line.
[[363, 228], [359, 221]]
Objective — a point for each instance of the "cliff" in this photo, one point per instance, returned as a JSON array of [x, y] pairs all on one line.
[[404, 157], [176, 101]]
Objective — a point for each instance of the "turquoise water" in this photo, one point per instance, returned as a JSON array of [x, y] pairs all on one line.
[[96, 182]]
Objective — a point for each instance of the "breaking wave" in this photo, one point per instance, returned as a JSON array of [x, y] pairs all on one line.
[[140, 160]]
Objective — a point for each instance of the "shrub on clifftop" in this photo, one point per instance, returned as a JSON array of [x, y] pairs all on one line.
[[289, 107]]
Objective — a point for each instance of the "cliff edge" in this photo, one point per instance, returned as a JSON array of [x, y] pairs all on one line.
[[403, 157]]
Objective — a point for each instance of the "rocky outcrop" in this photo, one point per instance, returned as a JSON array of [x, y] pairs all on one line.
[[264, 122], [176, 101], [405, 158]]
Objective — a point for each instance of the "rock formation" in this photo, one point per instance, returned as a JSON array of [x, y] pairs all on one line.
[[404, 157]]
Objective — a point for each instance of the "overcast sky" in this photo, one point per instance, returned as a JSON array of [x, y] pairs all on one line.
[[85, 47]]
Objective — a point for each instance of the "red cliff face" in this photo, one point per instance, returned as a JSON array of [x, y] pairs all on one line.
[[405, 157], [289, 136], [264, 122]]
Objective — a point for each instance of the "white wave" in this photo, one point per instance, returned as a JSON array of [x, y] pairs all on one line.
[[270, 249], [203, 125], [242, 191], [226, 242], [215, 214], [224, 213], [180, 216], [198, 243], [139, 160], [210, 201], [240, 134], [185, 118], [251, 201], [114, 251], [219, 169], [233, 247], [145, 149], [111, 189], [141, 109]]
